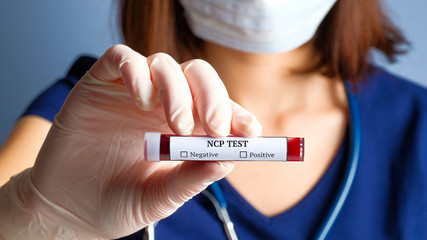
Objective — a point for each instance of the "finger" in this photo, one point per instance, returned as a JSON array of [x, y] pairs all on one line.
[[173, 91], [210, 97], [123, 65], [244, 123]]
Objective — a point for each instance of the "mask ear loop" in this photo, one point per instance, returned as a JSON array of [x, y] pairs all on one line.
[[355, 148]]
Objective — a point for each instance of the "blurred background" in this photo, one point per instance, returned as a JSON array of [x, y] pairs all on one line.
[[39, 40]]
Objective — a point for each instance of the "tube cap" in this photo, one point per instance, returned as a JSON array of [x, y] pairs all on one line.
[[152, 146]]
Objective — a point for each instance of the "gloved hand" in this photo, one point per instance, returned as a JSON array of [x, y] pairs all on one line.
[[90, 179]]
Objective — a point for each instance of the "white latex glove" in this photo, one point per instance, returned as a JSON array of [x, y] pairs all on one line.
[[90, 179]]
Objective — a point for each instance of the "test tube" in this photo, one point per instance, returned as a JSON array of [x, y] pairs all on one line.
[[167, 147]]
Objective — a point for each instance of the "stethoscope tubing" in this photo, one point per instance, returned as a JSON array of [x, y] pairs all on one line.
[[355, 148]]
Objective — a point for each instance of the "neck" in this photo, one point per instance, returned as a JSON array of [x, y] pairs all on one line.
[[259, 80]]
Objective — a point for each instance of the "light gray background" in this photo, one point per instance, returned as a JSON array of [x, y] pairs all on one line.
[[40, 39]]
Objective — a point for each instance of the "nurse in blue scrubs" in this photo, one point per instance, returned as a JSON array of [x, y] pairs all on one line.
[[281, 65]]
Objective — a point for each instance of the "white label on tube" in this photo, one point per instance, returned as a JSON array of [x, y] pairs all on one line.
[[230, 148]]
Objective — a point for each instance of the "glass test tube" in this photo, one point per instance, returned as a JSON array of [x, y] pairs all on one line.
[[166, 147]]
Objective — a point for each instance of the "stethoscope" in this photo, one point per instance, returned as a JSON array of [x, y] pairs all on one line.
[[215, 194]]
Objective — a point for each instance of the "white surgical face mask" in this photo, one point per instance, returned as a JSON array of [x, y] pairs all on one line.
[[259, 26]]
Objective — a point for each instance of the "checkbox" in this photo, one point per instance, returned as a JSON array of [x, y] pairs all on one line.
[[183, 154], [243, 154]]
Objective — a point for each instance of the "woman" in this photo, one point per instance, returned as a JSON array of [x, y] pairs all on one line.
[[91, 176]]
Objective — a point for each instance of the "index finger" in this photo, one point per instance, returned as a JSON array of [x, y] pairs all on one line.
[[120, 64]]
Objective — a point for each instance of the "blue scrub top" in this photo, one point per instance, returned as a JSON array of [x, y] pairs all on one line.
[[388, 199]]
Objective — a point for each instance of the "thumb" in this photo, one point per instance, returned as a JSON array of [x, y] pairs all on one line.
[[184, 182]]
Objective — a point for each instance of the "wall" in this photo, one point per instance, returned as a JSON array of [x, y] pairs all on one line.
[[410, 17], [40, 39]]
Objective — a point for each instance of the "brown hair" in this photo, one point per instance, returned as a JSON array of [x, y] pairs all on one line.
[[344, 38]]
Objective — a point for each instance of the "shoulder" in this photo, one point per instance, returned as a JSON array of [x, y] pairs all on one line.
[[389, 98], [394, 112], [392, 169], [383, 87], [80, 67], [48, 103]]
